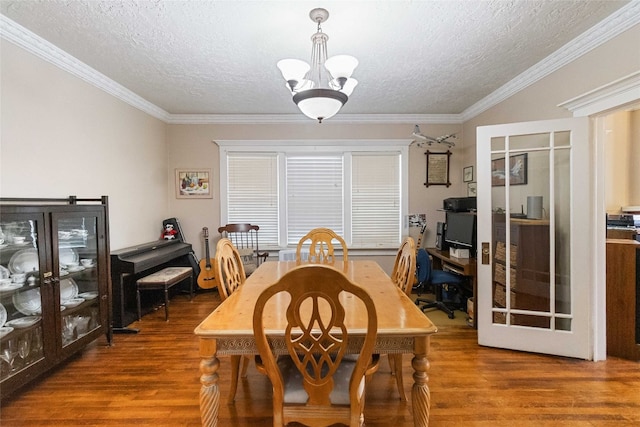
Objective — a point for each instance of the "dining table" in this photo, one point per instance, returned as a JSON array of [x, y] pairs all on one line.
[[228, 330]]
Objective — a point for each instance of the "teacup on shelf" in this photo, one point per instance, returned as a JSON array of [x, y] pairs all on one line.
[[86, 262], [18, 239]]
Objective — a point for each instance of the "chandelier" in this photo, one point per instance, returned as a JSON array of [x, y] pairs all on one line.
[[322, 88]]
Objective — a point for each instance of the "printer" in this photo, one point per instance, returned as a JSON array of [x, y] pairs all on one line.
[[459, 204]]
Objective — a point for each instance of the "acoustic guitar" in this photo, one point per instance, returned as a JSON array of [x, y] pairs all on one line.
[[206, 278]]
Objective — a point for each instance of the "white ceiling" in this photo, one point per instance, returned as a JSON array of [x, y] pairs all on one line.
[[219, 57]]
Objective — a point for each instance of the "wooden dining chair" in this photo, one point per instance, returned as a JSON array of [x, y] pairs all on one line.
[[403, 274], [322, 243], [316, 384], [229, 274], [245, 239]]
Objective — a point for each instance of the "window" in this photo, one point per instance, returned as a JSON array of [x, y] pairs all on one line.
[[356, 189]]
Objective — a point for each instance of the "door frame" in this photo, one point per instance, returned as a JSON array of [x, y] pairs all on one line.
[[620, 94]]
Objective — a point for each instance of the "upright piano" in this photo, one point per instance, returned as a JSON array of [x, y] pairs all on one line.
[[130, 264]]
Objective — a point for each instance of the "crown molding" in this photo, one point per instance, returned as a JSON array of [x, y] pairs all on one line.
[[618, 22], [301, 119], [31, 42], [605, 98], [331, 144]]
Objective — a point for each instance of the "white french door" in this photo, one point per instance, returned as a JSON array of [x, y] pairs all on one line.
[[535, 250]]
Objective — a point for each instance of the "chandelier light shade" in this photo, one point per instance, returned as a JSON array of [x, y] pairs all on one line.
[[322, 88]]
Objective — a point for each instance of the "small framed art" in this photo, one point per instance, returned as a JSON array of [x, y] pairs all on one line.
[[472, 189], [467, 174], [438, 168], [517, 170], [193, 184]]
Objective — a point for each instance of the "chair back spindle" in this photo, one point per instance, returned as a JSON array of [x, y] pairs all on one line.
[[245, 239], [322, 243]]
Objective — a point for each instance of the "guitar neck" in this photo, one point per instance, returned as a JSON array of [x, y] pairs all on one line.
[[207, 256]]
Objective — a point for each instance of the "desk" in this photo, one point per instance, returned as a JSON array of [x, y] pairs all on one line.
[[228, 330], [442, 260]]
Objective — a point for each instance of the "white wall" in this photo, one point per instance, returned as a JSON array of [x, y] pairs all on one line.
[[61, 136]]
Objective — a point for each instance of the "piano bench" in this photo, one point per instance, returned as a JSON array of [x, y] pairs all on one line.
[[164, 279]]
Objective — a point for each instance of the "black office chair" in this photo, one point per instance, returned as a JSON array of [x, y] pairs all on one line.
[[439, 279]]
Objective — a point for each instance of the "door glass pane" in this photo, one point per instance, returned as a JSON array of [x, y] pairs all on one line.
[[501, 290], [561, 139], [497, 144], [77, 257], [524, 142], [562, 218], [21, 336], [521, 200], [531, 235]]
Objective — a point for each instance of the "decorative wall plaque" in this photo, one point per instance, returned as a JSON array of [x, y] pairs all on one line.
[[438, 168]]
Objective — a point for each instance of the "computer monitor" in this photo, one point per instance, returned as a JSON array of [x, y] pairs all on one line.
[[461, 230]]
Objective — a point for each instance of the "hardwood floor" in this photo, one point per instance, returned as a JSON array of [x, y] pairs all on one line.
[[152, 379]]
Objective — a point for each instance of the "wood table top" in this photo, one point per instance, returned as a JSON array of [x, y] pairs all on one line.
[[397, 313]]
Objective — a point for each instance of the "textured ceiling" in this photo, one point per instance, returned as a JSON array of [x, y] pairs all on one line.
[[219, 57]]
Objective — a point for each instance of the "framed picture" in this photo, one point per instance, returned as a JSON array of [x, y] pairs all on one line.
[[472, 189], [438, 168], [467, 174], [517, 170], [193, 184]]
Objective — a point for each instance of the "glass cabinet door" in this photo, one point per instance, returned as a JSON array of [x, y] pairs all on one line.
[[22, 258], [75, 236]]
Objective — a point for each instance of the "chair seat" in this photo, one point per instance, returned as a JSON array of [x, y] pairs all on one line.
[[441, 276], [249, 261], [164, 277], [294, 391]]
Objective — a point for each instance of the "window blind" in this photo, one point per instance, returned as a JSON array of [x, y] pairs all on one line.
[[375, 201], [314, 195], [252, 193]]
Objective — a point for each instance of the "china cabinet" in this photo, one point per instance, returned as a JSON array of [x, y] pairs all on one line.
[[54, 287]]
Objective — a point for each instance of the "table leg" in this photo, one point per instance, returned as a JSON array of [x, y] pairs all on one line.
[[209, 392], [420, 394]]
